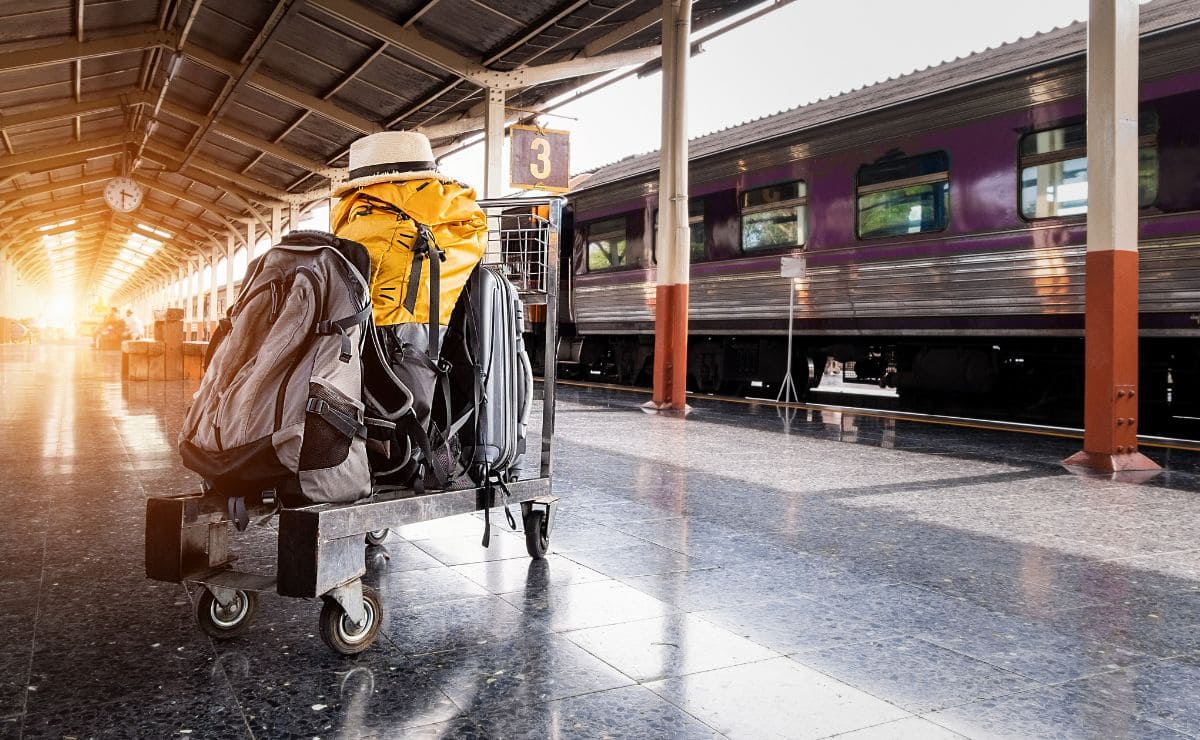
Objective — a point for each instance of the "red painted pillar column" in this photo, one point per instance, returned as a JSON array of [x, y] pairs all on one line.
[[671, 295], [1111, 320]]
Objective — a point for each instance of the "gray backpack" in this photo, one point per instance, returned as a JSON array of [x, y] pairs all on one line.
[[280, 412]]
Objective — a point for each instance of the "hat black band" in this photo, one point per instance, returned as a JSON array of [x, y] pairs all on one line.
[[391, 168]]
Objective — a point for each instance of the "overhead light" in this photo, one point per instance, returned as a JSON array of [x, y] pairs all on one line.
[[58, 225]]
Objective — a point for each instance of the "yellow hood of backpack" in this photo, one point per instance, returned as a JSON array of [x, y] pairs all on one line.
[[459, 227]]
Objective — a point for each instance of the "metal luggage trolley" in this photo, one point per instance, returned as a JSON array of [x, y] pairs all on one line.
[[321, 549]]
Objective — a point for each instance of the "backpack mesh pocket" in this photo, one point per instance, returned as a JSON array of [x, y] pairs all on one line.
[[325, 445]]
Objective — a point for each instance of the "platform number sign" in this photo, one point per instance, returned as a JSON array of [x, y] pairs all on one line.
[[540, 158]]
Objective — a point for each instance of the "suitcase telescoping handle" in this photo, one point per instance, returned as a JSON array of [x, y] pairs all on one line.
[[527, 376]]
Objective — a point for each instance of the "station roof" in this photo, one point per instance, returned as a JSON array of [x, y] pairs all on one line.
[[227, 110], [1019, 56]]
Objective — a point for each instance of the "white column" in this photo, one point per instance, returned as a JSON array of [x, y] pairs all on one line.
[[276, 224], [187, 298], [230, 249], [4, 293], [194, 297], [251, 238], [680, 273], [1112, 125], [494, 182], [214, 287]]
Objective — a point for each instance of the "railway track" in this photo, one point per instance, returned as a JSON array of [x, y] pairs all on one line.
[[1169, 443]]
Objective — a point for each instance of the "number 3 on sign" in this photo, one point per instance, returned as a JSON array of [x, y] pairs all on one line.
[[540, 169]]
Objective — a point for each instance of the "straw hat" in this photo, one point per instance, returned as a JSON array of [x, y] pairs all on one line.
[[389, 156]]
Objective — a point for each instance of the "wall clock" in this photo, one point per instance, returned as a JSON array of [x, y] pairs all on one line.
[[123, 194]]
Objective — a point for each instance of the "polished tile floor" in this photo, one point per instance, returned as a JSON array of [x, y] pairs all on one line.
[[743, 573]]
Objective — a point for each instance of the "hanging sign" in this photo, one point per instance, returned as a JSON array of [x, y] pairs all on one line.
[[540, 158]]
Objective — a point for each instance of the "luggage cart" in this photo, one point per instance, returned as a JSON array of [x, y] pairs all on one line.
[[321, 550]]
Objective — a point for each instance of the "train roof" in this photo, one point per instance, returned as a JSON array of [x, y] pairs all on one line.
[[1010, 58]]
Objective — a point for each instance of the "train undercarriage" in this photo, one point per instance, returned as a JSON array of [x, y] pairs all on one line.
[[1029, 379]]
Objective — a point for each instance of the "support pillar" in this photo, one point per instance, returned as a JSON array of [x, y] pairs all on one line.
[[494, 183], [1111, 321], [214, 290], [230, 250], [189, 313], [251, 238], [4, 296], [671, 295], [276, 224]]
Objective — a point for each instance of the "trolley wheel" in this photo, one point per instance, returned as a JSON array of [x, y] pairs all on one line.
[[378, 536], [537, 539], [344, 636], [223, 622]]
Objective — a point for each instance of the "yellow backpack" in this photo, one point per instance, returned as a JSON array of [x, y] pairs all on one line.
[[395, 221], [425, 238]]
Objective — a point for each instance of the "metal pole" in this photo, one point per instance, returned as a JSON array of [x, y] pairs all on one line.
[[493, 145], [550, 361], [787, 391], [1111, 320], [189, 312], [230, 249], [214, 290]]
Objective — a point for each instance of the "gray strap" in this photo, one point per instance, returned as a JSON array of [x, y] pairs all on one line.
[[344, 423]]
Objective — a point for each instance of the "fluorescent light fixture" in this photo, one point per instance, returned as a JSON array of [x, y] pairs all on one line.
[[58, 225]]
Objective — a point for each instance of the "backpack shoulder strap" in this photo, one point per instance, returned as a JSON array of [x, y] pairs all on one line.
[[426, 248], [224, 326], [342, 326]]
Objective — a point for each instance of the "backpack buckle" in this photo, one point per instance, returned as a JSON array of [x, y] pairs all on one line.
[[316, 406]]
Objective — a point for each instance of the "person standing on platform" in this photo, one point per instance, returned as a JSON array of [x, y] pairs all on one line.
[[133, 326]]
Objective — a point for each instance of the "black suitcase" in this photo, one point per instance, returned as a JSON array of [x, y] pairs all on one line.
[[491, 319]]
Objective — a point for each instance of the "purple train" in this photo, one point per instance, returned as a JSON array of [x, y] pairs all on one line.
[[941, 217]]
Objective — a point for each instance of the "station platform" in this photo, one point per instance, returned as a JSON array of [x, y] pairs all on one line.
[[747, 572]]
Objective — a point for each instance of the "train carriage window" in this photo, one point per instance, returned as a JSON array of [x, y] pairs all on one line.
[[909, 195], [607, 244], [1054, 169], [698, 246], [773, 217]]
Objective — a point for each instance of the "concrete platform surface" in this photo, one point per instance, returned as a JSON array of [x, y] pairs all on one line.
[[743, 573]]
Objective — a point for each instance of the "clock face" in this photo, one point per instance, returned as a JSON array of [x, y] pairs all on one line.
[[123, 194]]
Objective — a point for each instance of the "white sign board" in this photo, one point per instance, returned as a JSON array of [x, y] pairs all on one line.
[[792, 267]]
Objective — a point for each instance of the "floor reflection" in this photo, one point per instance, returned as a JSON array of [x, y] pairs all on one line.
[[748, 572]]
